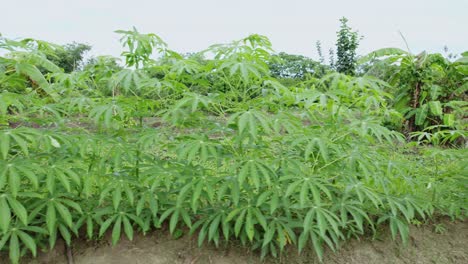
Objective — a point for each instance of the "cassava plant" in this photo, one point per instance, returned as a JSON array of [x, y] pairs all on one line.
[[211, 146]]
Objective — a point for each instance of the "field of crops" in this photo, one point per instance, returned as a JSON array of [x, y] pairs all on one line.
[[213, 143]]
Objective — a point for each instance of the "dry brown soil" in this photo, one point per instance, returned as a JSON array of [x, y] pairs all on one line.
[[425, 246]]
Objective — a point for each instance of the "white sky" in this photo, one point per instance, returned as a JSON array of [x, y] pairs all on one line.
[[192, 25]]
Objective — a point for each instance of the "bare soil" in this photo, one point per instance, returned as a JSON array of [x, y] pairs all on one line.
[[425, 246]]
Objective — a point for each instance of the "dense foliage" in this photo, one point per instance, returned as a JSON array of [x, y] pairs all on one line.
[[70, 57], [299, 67], [430, 92], [218, 147], [346, 45]]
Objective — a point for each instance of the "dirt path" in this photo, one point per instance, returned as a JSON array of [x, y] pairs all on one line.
[[425, 246]]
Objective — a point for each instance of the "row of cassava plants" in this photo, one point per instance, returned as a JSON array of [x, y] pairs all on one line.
[[217, 147], [265, 179]]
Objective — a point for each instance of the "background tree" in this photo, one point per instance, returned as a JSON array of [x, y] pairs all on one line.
[[291, 66], [346, 46], [318, 46], [331, 58], [71, 57]]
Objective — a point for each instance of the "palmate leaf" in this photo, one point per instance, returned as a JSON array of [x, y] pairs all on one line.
[[178, 116], [354, 209], [15, 173], [251, 122], [117, 230], [275, 86], [51, 140], [90, 219], [147, 200], [176, 214], [414, 206], [406, 207], [20, 239], [202, 187], [279, 231], [116, 189], [129, 81], [287, 122], [229, 188], [77, 104], [198, 148], [213, 226], [270, 197], [63, 173], [254, 47], [324, 219], [18, 139], [317, 240], [54, 111], [194, 102], [58, 212], [373, 128], [363, 192], [119, 220], [5, 212], [10, 206], [74, 80], [396, 226], [313, 146], [148, 139], [383, 53], [10, 78], [140, 46], [199, 191], [246, 219], [186, 66], [188, 108], [105, 114], [117, 154], [367, 93], [42, 61], [313, 98], [256, 172], [34, 74], [9, 100], [245, 69], [301, 187]]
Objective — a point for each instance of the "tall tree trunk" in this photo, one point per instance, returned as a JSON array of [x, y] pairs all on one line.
[[414, 105]]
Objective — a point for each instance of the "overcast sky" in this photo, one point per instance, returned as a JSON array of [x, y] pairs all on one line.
[[192, 25]]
